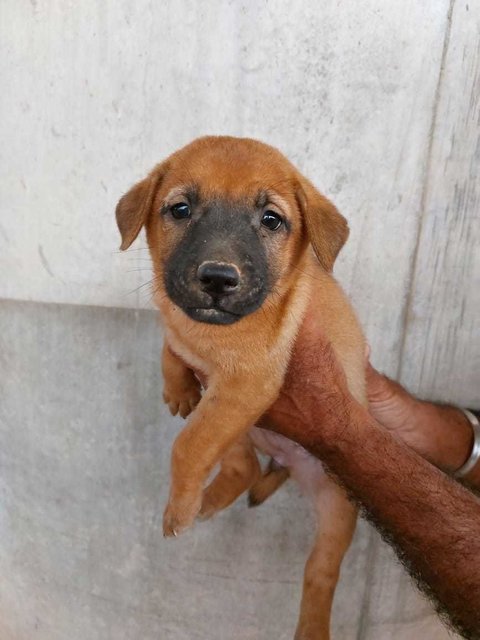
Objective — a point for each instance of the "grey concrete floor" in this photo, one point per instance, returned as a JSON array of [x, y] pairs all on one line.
[[84, 467]]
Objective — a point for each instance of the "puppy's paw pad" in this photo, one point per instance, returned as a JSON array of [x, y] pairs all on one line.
[[182, 402], [188, 405]]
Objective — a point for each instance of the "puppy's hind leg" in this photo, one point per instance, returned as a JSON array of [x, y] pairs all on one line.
[[271, 480], [337, 517], [239, 470]]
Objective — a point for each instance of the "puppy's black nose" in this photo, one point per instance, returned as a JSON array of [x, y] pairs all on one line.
[[218, 278]]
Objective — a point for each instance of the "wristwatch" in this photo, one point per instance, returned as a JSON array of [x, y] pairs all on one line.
[[474, 458]]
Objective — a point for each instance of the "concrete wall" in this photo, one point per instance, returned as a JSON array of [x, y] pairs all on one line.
[[378, 103]]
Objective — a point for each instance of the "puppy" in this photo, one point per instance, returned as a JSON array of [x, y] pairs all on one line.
[[240, 241]]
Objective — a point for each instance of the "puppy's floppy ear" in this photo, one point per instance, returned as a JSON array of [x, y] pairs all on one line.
[[327, 229], [133, 208]]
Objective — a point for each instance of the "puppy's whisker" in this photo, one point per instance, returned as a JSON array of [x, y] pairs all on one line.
[[309, 274], [138, 259], [131, 250], [145, 284], [275, 291], [156, 291]]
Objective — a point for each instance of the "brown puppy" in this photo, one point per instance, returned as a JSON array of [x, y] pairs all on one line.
[[231, 225]]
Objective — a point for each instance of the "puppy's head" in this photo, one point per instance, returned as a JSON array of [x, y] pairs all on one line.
[[227, 221]]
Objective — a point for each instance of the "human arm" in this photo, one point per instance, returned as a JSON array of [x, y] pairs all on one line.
[[432, 521]]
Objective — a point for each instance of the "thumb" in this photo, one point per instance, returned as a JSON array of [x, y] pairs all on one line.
[[379, 387]]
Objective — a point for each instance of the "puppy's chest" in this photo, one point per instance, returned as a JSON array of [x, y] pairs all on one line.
[[191, 357], [245, 354]]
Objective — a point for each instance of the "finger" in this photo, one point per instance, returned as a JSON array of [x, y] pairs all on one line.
[[367, 352], [378, 385], [381, 388]]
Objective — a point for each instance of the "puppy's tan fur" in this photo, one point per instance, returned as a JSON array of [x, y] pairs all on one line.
[[245, 362]]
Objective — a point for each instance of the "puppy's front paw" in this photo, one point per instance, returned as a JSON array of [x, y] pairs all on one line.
[[180, 514], [181, 400]]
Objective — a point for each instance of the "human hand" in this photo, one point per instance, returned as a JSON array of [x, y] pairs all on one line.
[[315, 389], [440, 433]]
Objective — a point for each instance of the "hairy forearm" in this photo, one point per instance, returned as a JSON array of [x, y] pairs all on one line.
[[433, 522]]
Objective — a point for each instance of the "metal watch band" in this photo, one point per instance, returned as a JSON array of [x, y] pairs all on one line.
[[475, 453]]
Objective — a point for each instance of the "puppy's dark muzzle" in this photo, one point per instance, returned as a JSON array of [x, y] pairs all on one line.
[[218, 272], [218, 279]]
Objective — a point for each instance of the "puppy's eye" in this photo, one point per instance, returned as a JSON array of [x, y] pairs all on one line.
[[272, 220], [180, 211]]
